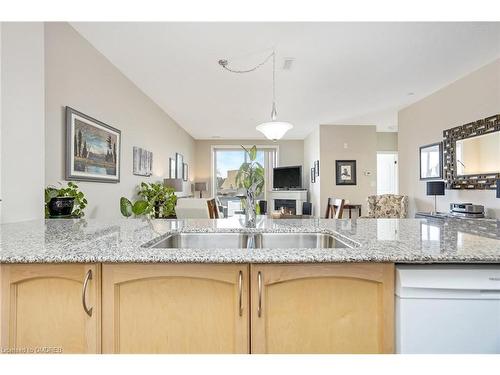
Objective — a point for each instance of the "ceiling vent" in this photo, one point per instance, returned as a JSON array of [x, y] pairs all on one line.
[[287, 63]]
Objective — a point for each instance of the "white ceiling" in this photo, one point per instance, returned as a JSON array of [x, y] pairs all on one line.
[[343, 73]]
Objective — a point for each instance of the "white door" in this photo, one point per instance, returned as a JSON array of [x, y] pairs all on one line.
[[387, 173]]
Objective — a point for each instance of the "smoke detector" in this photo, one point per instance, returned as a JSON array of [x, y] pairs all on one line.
[[287, 63]]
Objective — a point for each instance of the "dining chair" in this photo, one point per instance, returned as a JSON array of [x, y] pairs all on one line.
[[192, 208], [334, 208], [213, 209]]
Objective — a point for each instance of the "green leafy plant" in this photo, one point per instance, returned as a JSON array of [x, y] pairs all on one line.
[[251, 174], [70, 190], [155, 200], [138, 208]]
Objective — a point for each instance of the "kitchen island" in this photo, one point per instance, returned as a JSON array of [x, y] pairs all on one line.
[[99, 286], [368, 240]]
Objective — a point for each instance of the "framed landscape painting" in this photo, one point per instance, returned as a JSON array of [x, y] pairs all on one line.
[[92, 149]]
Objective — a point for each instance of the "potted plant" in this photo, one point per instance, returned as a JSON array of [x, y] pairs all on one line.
[[65, 201], [138, 208], [156, 200], [250, 176]]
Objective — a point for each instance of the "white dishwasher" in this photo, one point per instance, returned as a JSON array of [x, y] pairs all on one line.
[[448, 309]]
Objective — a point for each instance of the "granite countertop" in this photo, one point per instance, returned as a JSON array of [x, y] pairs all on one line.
[[371, 240]]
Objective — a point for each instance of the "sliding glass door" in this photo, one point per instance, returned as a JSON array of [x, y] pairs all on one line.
[[226, 163]]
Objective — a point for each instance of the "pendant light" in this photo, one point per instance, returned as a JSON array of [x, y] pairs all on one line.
[[273, 129]]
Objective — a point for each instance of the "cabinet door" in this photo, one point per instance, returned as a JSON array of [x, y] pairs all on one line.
[[43, 308], [175, 308], [315, 308]]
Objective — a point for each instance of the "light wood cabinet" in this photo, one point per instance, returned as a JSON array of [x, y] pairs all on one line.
[[316, 308], [175, 308], [198, 308], [42, 308]]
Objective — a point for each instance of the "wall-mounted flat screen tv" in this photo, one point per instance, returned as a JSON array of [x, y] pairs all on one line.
[[287, 177]]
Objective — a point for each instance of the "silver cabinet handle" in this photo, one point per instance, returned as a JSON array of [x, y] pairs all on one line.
[[88, 277], [240, 292], [259, 282]]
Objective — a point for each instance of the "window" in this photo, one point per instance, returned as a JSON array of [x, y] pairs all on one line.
[[387, 173], [226, 163]]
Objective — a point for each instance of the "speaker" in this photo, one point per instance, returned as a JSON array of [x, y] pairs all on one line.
[[307, 208], [263, 207]]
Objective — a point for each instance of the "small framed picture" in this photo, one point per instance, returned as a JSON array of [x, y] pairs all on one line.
[[143, 162], [431, 161], [185, 172], [171, 163], [313, 176], [316, 167], [179, 165], [345, 172]]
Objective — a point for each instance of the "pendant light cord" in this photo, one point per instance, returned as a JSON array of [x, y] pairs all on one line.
[[273, 111], [225, 64]]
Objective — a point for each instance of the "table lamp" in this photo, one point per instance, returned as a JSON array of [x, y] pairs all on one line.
[[201, 187], [174, 183], [435, 188]]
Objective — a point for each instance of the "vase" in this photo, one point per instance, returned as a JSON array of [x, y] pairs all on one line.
[[61, 206], [158, 209], [250, 211]]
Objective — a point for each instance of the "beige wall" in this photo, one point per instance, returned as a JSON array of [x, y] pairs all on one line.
[[22, 121], [77, 75], [387, 141], [291, 152], [470, 98], [348, 142]]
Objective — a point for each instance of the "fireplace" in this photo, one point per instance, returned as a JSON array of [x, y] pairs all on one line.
[[290, 205], [289, 199]]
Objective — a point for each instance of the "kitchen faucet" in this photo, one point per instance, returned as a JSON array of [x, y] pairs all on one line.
[[251, 241]]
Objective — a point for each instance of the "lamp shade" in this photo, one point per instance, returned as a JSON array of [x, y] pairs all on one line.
[[174, 183], [435, 188], [498, 188], [200, 186], [274, 130]]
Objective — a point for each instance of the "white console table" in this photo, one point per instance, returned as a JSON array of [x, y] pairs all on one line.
[[299, 196]]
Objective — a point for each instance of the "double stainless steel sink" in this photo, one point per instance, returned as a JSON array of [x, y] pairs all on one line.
[[248, 241]]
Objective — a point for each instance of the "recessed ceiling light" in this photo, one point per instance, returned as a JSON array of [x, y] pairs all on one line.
[[411, 93]]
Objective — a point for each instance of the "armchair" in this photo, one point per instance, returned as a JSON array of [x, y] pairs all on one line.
[[387, 206]]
